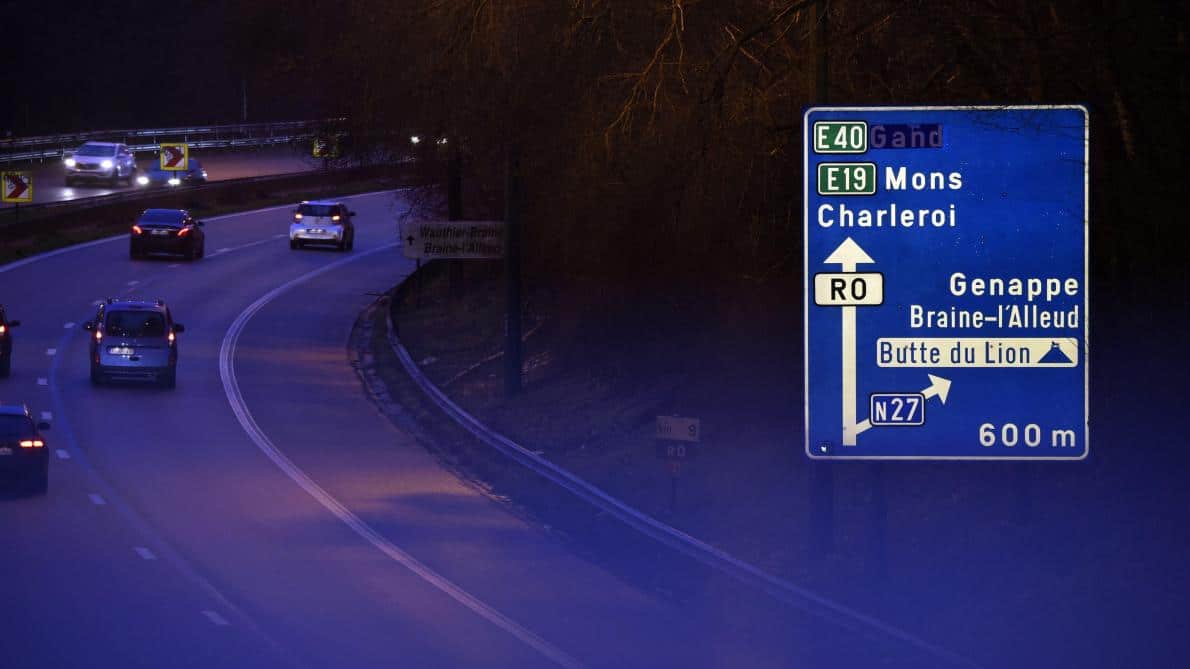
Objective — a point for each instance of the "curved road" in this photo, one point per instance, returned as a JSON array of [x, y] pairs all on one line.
[[265, 513], [49, 181]]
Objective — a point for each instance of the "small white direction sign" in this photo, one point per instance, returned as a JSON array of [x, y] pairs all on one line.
[[453, 240]]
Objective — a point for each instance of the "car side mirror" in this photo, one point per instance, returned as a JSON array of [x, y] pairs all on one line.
[[89, 325], [178, 327], [43, 426], [13, 324]]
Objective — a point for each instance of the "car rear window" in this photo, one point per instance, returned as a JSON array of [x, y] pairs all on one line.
[[158, 216], [16, 427], [134, 324], [318, 210], [95, 150]]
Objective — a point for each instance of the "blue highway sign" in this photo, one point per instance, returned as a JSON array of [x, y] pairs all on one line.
[[946, 278]]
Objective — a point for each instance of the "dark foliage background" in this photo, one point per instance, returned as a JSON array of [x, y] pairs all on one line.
[[660, 139]]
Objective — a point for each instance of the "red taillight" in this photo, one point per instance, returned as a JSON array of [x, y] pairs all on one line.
[[183, 232], [136, 230], [297, 217], [335, 217], [32, 443]]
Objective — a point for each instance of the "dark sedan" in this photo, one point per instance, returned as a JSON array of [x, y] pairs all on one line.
[[155, 177], [23, 452], [167, 231]]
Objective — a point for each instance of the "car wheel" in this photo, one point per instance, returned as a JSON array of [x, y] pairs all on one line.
[[351, 242], [96, 376], [115, 177], [191, 252], [169, 380], [5, 368], [134, 253], [202, 249], [39, 482]]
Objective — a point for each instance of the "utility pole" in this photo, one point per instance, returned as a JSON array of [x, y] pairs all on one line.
[[512, 274]]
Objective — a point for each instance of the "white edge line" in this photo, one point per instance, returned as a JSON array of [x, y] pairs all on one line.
[[97, 499], [144, 553], [63, 454], [362, 529], [216, 619]]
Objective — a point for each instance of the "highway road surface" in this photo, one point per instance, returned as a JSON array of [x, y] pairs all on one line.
[[266, 514], [49, 181]]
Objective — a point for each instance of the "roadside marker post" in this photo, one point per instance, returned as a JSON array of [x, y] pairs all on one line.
[[676, 440]]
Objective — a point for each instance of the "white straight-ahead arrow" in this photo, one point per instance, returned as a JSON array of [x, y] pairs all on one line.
[[849, 254], [939, 387]]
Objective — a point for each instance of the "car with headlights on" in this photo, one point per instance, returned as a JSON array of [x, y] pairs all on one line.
[[155, 177], [6, 327], [322, 222], [24, 456], [167, 231], [105, 161], [134, 340]]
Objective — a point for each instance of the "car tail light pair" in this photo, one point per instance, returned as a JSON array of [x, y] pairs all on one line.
[[32, 443]]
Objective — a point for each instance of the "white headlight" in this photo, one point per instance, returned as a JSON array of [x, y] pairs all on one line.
[[415, 139], [70, 162], [107, 164], [174, 181], [142, 180]]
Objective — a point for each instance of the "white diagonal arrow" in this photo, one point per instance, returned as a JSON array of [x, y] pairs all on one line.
[[939, 387], [849, 254]]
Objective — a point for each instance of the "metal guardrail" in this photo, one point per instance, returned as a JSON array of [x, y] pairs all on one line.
[[22, 149], [8, 215]]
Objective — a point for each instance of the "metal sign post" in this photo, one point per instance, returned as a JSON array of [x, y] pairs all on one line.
[[946, 305]]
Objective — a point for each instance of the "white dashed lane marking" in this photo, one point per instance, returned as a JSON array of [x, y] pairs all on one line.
[[51, 351], [216, 619], [145, 553], [223, 250], [177, 264], [97, 499], [133, 282], [47, 415], [68, 325], [42, 381], [63, 454]]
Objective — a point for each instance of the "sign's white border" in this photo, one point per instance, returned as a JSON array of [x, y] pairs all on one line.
[[806, 148]]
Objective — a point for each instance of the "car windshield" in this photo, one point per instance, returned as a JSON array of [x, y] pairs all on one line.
[[162, 216], [318, 209], [15, 427], [135, 324], [95, 150]]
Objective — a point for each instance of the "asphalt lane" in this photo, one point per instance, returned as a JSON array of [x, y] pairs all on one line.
[[49, 181], [322, 535]]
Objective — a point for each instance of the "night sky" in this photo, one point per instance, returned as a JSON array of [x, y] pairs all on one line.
[[78, 65]]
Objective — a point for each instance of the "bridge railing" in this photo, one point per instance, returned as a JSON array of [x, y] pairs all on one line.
[[48, 147]]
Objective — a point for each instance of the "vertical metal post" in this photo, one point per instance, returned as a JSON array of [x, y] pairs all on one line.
[[822, 500], [512, 274], [454, 212]]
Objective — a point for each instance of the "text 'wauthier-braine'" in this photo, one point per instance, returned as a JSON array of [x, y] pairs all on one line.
[[946, 288]]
